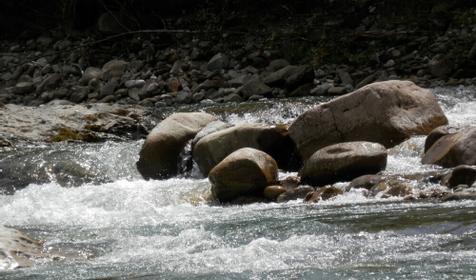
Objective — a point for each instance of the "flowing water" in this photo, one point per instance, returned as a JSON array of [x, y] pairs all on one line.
[[100, 220]]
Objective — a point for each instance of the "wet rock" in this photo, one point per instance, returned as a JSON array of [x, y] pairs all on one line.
[[218, 62], [246, 171], [400, 190], [272, 192], [18, 249], [453, 149], [365, 181], [296, 193], [290, 182], [275, 141], [392, 187], [460, 175], [343, 162], [462, 195], [254, 87], [5, 143], [357, 116], [324, 193], [437, 133]]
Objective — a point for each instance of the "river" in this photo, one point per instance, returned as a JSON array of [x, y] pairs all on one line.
[[102, 221]]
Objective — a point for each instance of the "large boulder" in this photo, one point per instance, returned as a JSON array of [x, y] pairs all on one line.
[[213, 148], [453, 149], [343, 162], [160, 152], [246, 171], [384, 112]]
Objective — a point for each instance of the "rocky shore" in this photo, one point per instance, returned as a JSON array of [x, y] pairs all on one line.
[[321, 52]]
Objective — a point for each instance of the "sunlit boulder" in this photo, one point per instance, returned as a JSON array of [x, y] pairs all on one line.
[[159, 156], [384, 112], [245, 172]]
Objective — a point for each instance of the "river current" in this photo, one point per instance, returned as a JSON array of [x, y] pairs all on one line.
[[102, 221]]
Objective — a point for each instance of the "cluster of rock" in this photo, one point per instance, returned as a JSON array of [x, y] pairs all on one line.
[[340, 140], [152, 75]]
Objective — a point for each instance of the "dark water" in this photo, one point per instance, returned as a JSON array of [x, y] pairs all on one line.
[[115, 225]]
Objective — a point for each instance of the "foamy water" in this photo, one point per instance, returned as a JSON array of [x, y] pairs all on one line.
[[118, 225]]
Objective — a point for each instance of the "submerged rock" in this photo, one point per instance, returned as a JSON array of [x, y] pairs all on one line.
[[384, 112], [453, 149], [343, 162], [295, 193], [365, 181], [324, 193], [461, 175], [159, 156], [17, 249], [275, 141], [272, 192], [461, 195], [246, 171]]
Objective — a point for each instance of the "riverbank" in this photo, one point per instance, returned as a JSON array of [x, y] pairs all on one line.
[[209, 57]]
